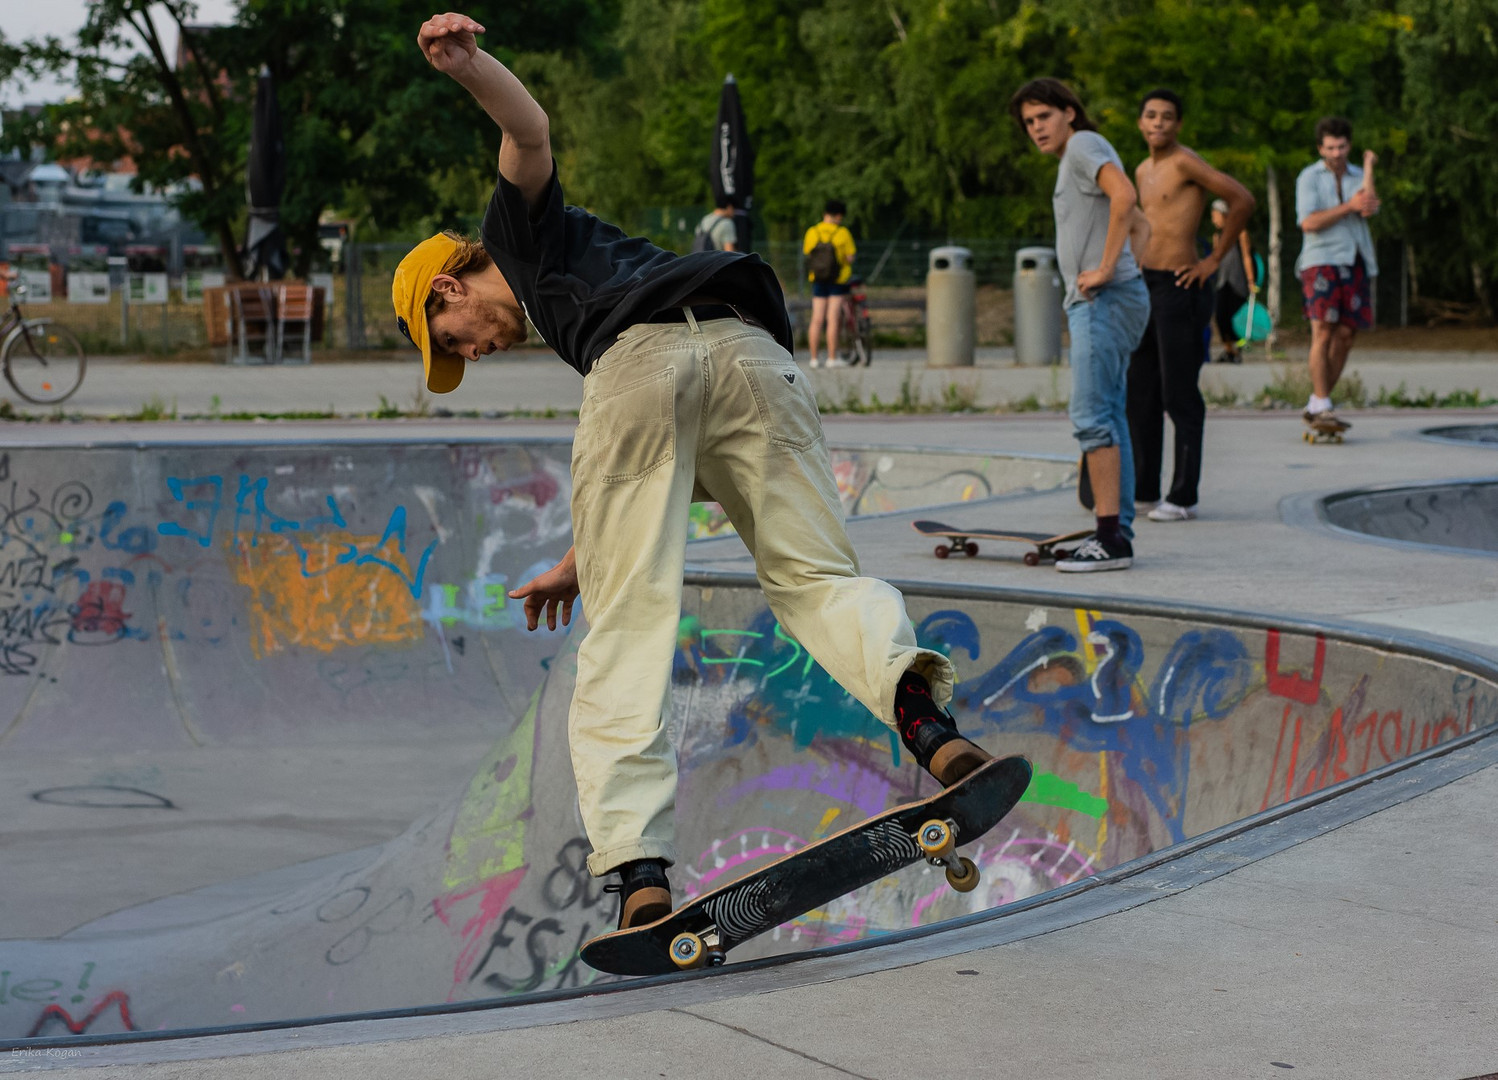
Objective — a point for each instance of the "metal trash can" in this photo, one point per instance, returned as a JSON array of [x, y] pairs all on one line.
[[1038, 294], [951, 308]]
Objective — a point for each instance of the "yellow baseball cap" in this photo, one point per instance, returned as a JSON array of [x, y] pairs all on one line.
[[409, 292]]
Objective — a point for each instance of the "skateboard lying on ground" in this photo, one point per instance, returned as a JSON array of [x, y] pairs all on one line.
[[701, 932], [963, 540], [1323, 428]]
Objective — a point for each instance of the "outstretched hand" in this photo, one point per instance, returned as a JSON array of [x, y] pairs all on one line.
[[448, 42], [557, 588]]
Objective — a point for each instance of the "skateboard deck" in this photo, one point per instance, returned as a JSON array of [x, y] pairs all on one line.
[[701, 932], [964, 540], [1324, 429], [1084, 484]]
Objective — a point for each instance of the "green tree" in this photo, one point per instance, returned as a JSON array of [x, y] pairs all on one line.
[[366, 124], [1446, 186]]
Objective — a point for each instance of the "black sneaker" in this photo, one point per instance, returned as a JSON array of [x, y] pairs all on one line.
[[931, 736], [644, 893], [1094, 555]]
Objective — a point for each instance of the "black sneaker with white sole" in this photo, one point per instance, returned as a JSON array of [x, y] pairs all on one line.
[[1095, 555]]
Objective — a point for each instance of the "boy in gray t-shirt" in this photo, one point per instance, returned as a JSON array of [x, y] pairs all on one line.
[[1107, 305], [1083, 212]]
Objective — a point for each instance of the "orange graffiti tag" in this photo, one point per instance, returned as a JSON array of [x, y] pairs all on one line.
[[309, 593]]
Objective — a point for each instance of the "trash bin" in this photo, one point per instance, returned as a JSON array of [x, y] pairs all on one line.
[[951, 308], [1037, 306]]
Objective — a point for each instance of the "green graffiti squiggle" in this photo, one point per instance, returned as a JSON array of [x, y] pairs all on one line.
[[1048, 789]]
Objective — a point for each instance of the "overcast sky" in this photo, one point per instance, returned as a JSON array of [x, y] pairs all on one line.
[[26, 19]]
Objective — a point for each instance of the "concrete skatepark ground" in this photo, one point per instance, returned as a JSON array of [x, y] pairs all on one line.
[[1353, 936]]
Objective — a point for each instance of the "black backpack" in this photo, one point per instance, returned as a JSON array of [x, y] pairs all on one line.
[[702, 240], [823, 264]]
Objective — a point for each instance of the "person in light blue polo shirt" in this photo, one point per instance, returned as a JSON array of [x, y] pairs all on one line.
[[1333, 204]]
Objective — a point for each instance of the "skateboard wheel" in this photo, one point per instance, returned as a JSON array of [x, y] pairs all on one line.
[[942, 551], [1032, 558], [936, 840], [967, 879], [972, 548], [1308, 437], [688, 951], [1057, 554]]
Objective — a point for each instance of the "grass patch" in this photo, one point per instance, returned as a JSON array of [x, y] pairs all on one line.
[[154, 410], [1400, 398], [1291, 389], [1219, 397]]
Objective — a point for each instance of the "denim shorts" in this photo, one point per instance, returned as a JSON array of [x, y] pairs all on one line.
[[830, 288]]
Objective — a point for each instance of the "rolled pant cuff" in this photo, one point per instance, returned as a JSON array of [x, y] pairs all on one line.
[[610, 859], [932, 666], [1094, 439]]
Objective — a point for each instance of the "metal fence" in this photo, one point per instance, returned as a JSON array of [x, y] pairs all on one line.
[[123, 304]]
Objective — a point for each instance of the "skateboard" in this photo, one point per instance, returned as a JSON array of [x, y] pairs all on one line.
[[701, 932], [1324, 428], [963, 540], [1084, 484]]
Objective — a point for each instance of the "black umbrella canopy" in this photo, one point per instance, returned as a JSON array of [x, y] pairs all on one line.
[[733, 159], [265, 181]]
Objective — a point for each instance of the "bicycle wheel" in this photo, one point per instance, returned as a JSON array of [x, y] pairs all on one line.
[[866, 339], [44, 362]]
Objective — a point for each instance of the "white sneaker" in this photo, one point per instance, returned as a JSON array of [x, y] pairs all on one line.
[[838, 362], [1169, 511], [815, 362]]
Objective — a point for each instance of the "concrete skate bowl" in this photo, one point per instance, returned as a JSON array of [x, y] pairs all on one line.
[[221, 661], [1457, 515], [1464, 434], [244, 786]]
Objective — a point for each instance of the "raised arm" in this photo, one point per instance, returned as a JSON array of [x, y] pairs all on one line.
[[448, 43], [1240, 208], [1122, 199]]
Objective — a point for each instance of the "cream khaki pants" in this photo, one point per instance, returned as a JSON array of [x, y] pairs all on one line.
[[681, 412]]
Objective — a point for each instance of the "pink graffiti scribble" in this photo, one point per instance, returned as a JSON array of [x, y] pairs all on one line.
[[846, 782], [718, 864], [1028, 853], [496, 896]]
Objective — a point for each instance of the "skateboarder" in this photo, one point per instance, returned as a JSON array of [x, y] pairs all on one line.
[[1173, 183], [689, 393], [1337, 261], [1106, 305]]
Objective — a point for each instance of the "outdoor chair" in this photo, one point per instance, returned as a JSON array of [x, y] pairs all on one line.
[[253, 311], [294, 312]]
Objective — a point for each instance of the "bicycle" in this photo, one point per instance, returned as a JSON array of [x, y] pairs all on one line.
[[42, 360], [855, 339]]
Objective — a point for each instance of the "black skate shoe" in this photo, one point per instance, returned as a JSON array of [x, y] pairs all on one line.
[[930, 734], [645, 894]]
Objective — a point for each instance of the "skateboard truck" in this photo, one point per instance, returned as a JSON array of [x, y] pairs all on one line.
[[690, 951], [938, 842]]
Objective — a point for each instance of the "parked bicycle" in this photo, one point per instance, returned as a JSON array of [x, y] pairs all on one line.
[[855, 338], [42, 359]]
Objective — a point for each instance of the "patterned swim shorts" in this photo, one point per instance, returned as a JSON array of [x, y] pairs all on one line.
[[1338, 294]]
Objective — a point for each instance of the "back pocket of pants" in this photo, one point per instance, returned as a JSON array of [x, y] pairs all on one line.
[[786, 402], [633, 428]]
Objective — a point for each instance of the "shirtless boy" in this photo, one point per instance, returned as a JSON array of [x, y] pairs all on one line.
[[1173, 185]]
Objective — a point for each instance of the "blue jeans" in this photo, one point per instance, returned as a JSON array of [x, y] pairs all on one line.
[[1105, 331]]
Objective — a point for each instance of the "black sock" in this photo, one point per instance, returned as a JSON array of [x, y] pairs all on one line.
[[1108, 531], [913, 701]]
